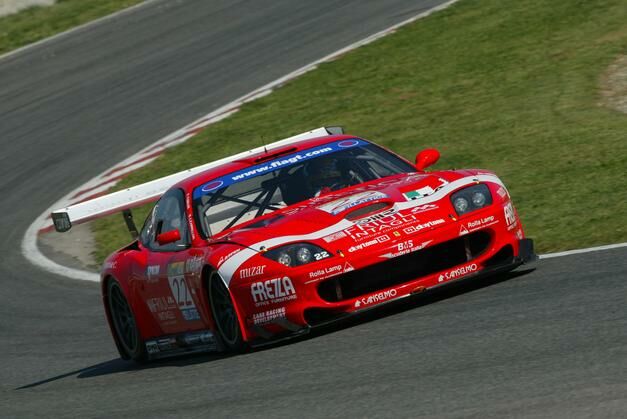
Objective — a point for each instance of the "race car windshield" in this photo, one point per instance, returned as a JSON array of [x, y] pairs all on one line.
[[243, 195]]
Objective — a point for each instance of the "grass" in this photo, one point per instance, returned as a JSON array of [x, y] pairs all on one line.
[[36, 23], [507, 85]]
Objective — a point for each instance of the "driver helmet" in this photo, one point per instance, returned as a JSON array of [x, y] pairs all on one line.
[[324, 173]]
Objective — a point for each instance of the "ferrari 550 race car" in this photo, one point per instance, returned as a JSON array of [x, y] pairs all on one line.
[[269, 243]]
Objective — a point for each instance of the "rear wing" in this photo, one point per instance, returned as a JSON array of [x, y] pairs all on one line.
[[123, 201]]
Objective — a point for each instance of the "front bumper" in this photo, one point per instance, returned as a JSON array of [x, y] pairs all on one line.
[[290, 330], [301, 317]]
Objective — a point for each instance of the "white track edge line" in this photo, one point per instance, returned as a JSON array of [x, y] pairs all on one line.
[[76, 28], [31, 251], [586, 250]]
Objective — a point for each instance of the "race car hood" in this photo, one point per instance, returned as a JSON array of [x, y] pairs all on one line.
[[313, 219]]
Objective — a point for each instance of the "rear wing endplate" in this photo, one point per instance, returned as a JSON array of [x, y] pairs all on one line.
[[123, 201]]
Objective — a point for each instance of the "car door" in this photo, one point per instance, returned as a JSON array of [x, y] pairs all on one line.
[[165, 290]]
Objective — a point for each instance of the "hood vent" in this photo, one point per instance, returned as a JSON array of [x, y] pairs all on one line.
[[367, 210]]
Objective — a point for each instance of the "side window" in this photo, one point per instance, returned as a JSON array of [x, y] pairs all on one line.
[[168, 215], [147, 234]]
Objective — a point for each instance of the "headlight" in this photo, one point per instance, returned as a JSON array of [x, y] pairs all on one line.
[[478, 199], [461, 204], [303, 255], [297, 254], [284, 259], [471, 199]]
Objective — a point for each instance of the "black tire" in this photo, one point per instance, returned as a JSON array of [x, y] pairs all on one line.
[[224, 315], [124, 324]]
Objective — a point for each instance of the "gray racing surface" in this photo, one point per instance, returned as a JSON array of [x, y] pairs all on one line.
[[550, 343]]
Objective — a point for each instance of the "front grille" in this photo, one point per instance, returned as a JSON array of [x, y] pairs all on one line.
[[404, 268]]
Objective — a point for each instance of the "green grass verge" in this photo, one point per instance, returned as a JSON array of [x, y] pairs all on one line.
[[36, 23], [507, 85]]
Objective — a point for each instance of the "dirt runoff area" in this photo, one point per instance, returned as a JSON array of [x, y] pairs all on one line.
[[614, 85], [8, 7]]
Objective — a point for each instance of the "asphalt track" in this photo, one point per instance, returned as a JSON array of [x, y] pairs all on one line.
[[549, 343]]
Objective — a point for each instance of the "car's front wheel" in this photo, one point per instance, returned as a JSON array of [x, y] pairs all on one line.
[[224, 314], [124, 323]]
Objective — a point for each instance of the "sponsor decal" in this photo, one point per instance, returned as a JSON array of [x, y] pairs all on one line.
[[502, 192], [161, 345], [194, 264], [272, 291], [348, 143], [377, 217], [425, 191], [474, 225], [419, 227], [152, 273], [267, 316], [110, 265], [458, 272], [333, 237], [228, 256], [388, 220], [519, 234], [295, 209], [152, 347], [212, 186], [510, 216], [404, 248], [158, 304], [343, 204], [180, 291], [162, 307], [273, 165], [419, 193], [252, 271], [326, 272], [375, 224], [375, 298], [190, 223], [191, 314], [423, 208], [381, 239]]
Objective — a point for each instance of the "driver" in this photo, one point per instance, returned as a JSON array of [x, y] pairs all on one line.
[[325, 175]]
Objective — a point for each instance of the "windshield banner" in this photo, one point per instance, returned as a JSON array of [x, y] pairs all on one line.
[[276, 164]]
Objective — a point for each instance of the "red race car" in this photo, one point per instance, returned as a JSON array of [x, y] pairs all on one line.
[[272, 242]]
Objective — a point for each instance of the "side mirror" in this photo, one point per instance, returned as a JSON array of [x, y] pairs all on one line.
[[427, 158], [168, 237]]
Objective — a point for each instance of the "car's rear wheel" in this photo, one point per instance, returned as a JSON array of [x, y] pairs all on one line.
[[124, 323], [224, 314]]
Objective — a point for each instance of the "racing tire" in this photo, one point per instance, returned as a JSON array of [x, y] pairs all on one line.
[[124, 325], [225, 315]]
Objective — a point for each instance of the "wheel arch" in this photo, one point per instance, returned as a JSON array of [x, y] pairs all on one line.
[[207, 272]]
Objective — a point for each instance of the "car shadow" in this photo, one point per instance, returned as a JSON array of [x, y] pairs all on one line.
[[117, 365]]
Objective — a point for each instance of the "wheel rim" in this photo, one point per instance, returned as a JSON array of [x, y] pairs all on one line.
[[123, 319], [224, 311]]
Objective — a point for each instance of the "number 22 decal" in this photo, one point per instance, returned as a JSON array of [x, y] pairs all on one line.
[[180, 292]]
